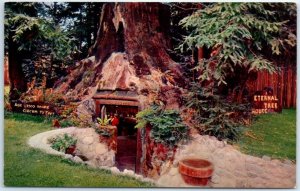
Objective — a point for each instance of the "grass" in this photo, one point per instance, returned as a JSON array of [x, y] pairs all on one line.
[[272, 135], [25, 166]]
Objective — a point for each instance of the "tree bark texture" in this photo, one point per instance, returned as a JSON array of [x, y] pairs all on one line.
[[16, 75], [130, 53]]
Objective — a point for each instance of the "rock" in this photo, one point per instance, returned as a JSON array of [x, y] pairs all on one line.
[[165, 167], [176, 181], [213, 138], [226, 183], [68, 156], [239, 173], [164, 180], [88, 140], [219, 163], [219, 144], [82, 148], [77, 159], [128, 172], [255, 169], [90, 155], [114, 170], [100, 149], [219, 172], [251, 159], [288, 162], [173, 171], [138, 176], [215, 179], [91, 164], [105, 168], [90, 105], [276, 161], [252, 175], [266, 158], [85, 111], [241, 183]]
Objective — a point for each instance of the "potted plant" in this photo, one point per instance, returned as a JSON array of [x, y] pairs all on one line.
[[103, 123], [107, 133]]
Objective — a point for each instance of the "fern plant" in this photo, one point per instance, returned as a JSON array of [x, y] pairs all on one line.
[[167, 125]]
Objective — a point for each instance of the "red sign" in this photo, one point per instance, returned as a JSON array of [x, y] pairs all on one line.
[[265, 103]]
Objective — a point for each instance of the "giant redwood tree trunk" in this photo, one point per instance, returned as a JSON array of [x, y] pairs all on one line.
[[16, 75], [130, 53]]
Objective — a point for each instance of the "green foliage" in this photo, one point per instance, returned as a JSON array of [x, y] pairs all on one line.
[[144, 117], [214, 115], [103, 131], [167, 125], [273, 135], [237, 33], [44, 48], [33, 31], [61, 44], [61, 143], [80, 19], [7, 106], [25, 166], [103, 122], [67, 123]]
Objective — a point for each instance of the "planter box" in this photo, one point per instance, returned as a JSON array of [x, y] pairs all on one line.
[[111, 141], [195, 171]]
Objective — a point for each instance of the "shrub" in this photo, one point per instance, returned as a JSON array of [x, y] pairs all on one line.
[[61, 143], [54, 97], [167, 126], [216, 116], [41, 94]]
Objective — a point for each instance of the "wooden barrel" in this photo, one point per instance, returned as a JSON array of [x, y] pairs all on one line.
[[195, 171]]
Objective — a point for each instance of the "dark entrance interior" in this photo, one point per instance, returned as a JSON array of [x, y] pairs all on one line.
[[127, 135]]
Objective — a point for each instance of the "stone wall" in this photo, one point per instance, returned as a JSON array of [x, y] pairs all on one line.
[[232, 169], [88, 145], [99, 156]]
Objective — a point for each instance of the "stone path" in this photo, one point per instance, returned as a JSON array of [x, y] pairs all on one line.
[[232, 169]]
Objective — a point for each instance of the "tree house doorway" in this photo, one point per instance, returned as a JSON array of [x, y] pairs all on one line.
[[127, 135], [122, 107]]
